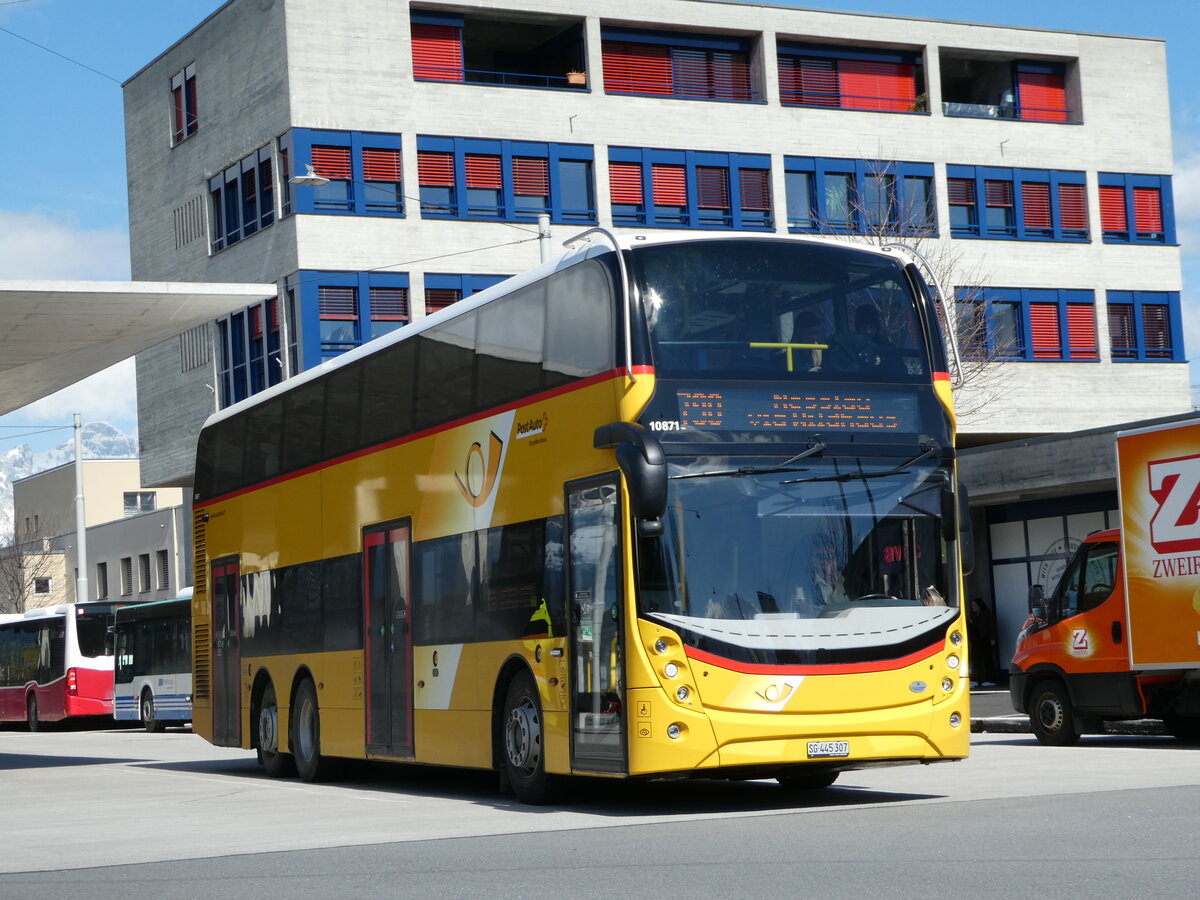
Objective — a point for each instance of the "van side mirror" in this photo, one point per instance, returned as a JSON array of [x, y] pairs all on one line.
[[1037, 601]]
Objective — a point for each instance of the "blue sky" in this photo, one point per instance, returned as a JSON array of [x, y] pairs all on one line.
[[63, 211]]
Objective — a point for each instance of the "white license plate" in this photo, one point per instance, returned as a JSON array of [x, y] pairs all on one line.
[[828, 749]]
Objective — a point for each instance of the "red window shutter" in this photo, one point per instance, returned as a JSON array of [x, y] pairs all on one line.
[[1043, 327], [1042, 96], [1035, 199], [1147, 210], [389, 304], [483, 171], [755, 188], [335, 302], [817, 82], [332, 162], [273, 314], [531, 176], [256, 323], [710, 73], [633, 68], [437, 52], [1121, 333], [381, 165], [177, 94], [625, 183], [1072, 207], [435, 169], [871, 84], [1112, 208], [1081, 330], [440, 298], [712, 188], [961, 191], [998, 193], [670, 185], [1156, 331]]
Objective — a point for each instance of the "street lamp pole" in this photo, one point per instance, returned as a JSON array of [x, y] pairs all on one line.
[[81, 581]]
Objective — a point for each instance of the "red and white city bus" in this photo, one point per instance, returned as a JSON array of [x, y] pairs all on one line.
[[56, 662]]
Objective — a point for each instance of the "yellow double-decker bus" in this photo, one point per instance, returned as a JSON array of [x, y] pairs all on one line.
[[667, 506]]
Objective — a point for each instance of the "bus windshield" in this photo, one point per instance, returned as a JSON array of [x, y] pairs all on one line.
[[770, 309], [843, 552], [92, 630]]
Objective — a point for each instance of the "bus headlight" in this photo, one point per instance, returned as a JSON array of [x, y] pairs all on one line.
[[955, 720], [956, 638], [674, 730], [682, 694], [670, 670], [947, 685], [952, 661], [660, 646]]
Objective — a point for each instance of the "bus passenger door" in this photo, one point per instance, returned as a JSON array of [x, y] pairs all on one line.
[[389, 700], [226, 656], [597, 687]]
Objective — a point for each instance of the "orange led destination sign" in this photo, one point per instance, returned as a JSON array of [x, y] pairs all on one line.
[[759, 409]]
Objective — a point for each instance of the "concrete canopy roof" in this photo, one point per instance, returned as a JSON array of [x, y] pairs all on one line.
[[54, 333]]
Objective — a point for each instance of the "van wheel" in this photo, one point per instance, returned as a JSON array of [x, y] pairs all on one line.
[[1185, 728], [306, 734], [31, 714], [1051, 714], [274, 761], [524, 738], [149, 721]]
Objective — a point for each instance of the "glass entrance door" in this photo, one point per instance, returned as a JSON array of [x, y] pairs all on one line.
[[389, 640], [226, 656], [597, 696]]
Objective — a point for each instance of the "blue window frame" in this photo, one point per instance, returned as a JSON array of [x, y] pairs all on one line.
[[1017, 204], [341, 310], [242, 199], [442, 290], [690, 189], [1029, 324], [511, 181], [856, 196], [1137, 209], [363, 168], [1145, 326]]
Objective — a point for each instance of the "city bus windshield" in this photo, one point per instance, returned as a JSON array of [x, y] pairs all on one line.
[[779, 309], [845, 553]]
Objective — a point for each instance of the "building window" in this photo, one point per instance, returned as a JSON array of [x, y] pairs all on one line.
[[1145, 326], [1041, 92], [443, 290], [41, 586], [242, 199], [138, 502], [163, 568], [143, 573], [841, 78], [1017, 204], [859, 196], [363, 171], [668, 64], [126, 576], [470, 178], [1027, 323], [689, 188], [101, 581], [185, 118], [1137, 209], [249, 351], [344, 309], [990, 86]]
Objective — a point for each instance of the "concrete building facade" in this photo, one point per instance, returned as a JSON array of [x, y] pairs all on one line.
[[379, 162]]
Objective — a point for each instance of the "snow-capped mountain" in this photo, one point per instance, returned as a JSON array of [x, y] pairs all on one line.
[[100, 441]]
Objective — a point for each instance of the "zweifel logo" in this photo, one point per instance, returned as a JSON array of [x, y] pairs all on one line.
[[1175, 487]]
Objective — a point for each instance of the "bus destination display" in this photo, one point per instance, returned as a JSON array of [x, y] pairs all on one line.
[[769, 409]]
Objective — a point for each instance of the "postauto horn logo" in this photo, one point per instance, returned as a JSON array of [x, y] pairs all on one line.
[[479, 478]]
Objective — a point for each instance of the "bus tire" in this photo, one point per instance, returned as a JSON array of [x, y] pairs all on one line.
[[806, 781], [306, 734], [523, 737], [149, 720], [1051, 714], [275, 762], [31, 713]]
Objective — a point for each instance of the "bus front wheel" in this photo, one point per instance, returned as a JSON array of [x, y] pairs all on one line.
[[1051, 714], [32, 713], [150, 721], [274, 761], [306, 734], [524, 750]]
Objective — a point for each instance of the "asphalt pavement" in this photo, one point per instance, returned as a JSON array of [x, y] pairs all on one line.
[[992, 712]]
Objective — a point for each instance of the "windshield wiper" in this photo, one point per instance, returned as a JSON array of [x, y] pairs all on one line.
[[901, 469], [815, 445]]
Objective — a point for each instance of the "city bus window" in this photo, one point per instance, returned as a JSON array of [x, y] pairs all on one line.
[[445, 363], [579, 323], [510, 347], [386, 400]]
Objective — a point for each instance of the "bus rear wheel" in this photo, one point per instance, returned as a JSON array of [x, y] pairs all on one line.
[[149, 720], [1051, 714], [31, 713], [274, 761], [523, 734], [306, 734], [806, 781]]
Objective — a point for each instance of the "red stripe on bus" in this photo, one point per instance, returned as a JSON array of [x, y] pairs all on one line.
[[941, 376], [883, 665]]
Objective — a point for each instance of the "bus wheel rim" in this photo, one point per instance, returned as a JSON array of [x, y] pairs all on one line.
[[522, 737], [268, 734]]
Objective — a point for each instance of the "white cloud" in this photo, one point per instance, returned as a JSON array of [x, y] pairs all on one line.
[[36, 245], [109, 395]]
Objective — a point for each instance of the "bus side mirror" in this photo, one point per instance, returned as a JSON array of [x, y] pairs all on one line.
[[640, 456], [110, 640], [956, 507]]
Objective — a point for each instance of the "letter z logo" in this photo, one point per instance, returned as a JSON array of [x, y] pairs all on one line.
[[1175, 487]]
